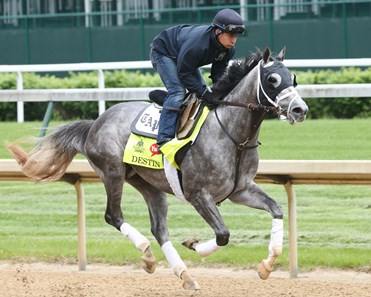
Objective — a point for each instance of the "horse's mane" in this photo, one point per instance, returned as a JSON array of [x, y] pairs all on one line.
[[235, 73]]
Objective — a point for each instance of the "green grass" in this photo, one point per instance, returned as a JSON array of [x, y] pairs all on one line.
[[316, 140], [39, 222]]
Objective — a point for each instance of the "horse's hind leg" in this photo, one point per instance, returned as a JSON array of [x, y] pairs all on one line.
[[157, 207], [255, 197], [113, 180]]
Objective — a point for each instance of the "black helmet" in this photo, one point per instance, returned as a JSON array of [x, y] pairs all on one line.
[[229, 21]]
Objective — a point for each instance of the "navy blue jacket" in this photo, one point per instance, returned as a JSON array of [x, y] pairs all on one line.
[[193, 46]]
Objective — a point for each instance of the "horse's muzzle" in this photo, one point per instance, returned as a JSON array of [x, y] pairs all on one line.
[[297, 111]]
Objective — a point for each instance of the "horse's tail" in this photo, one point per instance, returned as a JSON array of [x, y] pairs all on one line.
[[53, 153]]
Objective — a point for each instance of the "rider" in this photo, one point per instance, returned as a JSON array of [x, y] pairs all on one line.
[[178, 52]]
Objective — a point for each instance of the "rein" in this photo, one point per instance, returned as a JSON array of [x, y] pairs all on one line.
[[249, 106], [240, 147], [244, 145]]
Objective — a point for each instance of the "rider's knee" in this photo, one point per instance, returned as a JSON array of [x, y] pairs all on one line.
[[175, 98], [222, 239]]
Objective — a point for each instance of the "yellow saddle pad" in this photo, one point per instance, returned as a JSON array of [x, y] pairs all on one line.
[[170, 148], [142, 151]]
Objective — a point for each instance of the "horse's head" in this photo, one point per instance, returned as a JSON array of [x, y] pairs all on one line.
[[277, 87]]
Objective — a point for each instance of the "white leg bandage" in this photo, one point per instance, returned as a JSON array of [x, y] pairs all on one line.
[[139, 240], [276, 242], [206, 248], [173, 258]]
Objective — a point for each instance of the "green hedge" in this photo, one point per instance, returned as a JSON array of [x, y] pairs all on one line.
[[337, 107], [319, 108], [70, 110]]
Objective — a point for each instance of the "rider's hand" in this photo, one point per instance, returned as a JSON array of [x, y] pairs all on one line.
[[208, 99]]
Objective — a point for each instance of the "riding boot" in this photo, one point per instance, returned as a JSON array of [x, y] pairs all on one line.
[[167, 125]]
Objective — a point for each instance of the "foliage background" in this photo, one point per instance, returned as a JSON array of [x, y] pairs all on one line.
[[345, 108]]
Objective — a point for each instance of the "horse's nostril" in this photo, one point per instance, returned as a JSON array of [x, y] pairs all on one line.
[[299, 110]]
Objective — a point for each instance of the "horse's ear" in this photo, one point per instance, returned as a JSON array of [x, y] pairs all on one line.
[[266, 54], [281, 54]]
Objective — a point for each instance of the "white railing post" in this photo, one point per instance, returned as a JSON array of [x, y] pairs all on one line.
[[293, 235], [20, 104], [81, 222], [101, 86]]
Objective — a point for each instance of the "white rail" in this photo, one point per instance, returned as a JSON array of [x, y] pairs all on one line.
[[292, 63], [141, 93], [102, 94]]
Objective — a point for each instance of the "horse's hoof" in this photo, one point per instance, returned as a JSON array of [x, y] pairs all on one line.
[[148, 261], [264, 269], [188, 282], [149, 265], [190, 243], [191, 285]]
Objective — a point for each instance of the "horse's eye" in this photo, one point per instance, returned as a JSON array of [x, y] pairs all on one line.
[[274, 80]]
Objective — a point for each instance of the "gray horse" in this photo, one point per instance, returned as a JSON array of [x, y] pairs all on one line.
[[220, 165]]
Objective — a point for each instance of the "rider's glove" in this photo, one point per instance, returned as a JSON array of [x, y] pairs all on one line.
[[208, 98]]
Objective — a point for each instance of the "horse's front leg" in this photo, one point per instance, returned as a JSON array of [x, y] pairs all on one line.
[[205, 206], [255, 197]]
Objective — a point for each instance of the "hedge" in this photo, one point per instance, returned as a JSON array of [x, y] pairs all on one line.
[[346, 108], [319, 108]]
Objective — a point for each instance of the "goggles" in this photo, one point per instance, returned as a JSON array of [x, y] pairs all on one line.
[[234, 29]]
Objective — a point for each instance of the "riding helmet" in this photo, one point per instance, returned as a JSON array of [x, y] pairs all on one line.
[[229, 21]]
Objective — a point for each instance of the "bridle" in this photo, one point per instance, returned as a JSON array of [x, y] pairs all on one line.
[[275, 104], [256, 107], [252, 107]]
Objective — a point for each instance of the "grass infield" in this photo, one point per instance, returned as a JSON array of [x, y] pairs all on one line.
[[39, 222]]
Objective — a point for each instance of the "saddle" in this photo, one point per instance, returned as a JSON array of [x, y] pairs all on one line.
[[145, 127], [189, 111]]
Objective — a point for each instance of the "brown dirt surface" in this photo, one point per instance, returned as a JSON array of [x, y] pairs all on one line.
[[61, 280]]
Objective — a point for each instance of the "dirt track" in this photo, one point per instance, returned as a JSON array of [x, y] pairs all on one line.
[[55, 280]]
